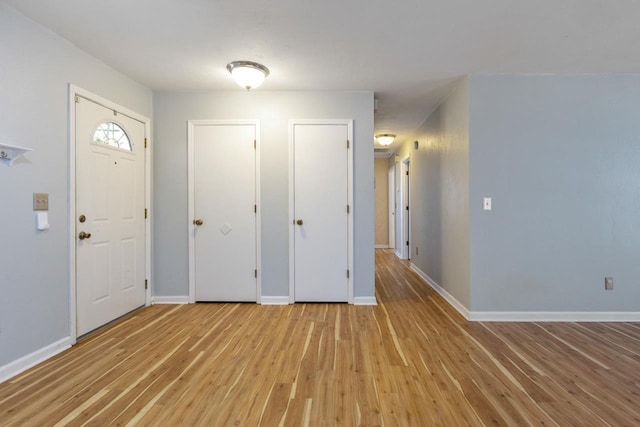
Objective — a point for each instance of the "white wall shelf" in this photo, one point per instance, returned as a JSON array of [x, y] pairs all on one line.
[[9, 153]]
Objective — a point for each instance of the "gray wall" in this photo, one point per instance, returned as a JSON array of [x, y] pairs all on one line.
[[561, 158], [36, 67], [273, 109], [439, 185]]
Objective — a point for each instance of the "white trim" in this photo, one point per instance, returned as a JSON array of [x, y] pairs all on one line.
[[554, 316], [184, 299], [528, 316], [382, 246], [350, 238], [191, 209], [398, 254], [270, 300], [71, 212], [391, 179], [365, 301], [443, 292], [292, 245], [18, 366], [191, 212]]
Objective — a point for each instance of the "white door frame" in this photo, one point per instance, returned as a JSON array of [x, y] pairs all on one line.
[[73, 92], [192, 201], [405, 217], [392, 206], [398, 208], [349, 124]]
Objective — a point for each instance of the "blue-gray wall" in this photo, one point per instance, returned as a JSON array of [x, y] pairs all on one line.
[[439, 185], [36, 67], [560, 156], [273, 109]]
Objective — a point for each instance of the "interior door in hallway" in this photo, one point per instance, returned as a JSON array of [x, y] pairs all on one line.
[[320, 215], [110, 214], [224, 217]]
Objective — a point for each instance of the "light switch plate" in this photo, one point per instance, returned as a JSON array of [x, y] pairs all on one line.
[[40, 201], [486, 203]]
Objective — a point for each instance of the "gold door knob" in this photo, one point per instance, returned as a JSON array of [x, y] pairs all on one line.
[[299, 222], [84, 235], [197, 222]]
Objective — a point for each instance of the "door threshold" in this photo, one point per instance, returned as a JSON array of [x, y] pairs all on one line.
[[106, 326]]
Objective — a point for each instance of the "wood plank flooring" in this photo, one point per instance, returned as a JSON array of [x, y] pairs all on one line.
[[410, 361]]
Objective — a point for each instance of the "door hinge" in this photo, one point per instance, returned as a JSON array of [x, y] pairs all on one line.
[[407, 243], [407, 207], [145, 213], [255, 273], [348, 208], [255, 208], [347, 143], [255, 143], [146, 284], [145, 143], [348, 274], [77, 99], [407, 173]]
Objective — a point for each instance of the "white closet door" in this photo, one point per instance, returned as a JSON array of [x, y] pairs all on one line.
[[224, 168]]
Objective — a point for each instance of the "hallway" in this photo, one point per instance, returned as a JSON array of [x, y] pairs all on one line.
[[410, 361]]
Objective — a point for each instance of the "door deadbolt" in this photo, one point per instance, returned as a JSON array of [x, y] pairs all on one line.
[[198, 222], [82, 218], [84, 235]]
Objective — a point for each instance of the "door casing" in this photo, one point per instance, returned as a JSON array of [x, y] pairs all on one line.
[[191, 210], [73, 92], [350, 238], [392, 207]]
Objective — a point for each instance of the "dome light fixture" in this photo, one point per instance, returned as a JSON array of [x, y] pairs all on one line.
[[385, 138], [248, 74]]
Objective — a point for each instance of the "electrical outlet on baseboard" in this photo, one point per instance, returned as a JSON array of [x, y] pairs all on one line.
[[608, 283]]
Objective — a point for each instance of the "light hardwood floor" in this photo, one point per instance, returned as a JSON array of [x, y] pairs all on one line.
[[412, 360]]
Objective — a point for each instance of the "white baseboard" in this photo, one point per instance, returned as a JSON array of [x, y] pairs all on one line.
[[265, 300], [14, 368], [170, 300], [554, 316], [443, 292], [529, 316], [382, 246], [365, 301]]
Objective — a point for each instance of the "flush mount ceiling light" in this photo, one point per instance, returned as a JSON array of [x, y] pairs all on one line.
[[247, 74], [385, 138]]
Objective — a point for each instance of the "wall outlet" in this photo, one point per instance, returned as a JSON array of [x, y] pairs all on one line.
[[608, 283], [40, 201]]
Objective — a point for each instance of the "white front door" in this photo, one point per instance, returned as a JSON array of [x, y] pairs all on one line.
[[224, 221], [109, 215], [320, 211]]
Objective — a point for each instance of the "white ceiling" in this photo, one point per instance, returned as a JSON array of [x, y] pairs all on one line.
[[409, 52]]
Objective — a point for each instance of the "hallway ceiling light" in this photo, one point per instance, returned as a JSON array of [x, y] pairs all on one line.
[[247, 74], [385, 138]]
